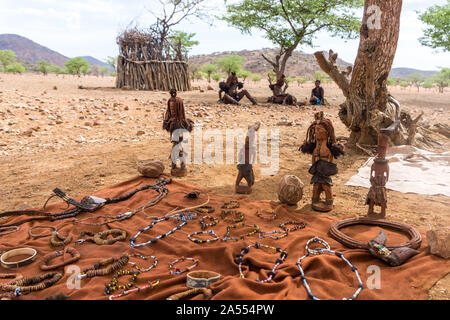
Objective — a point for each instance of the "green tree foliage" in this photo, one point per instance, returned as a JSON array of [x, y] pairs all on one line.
[[15, 67], [391, 82], [209, 69], [416, 80], [403, 84], [199, 75], [231, 63], [7, 57], [323, 77], [300, 80], [112, 61], [193, 69], [182, 40], [256, 78], [272, 76], [244, 74], [290, 80], [216, 76], [428, 84], [290, 23], [442, 80], [437, 19], [104, 71], [57, 70], [77, 66], [44, 67]]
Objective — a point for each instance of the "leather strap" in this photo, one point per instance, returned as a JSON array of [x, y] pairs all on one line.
[[201, 279], [17, 252]]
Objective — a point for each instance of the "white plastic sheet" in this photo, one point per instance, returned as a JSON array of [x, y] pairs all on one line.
[[412, 170]]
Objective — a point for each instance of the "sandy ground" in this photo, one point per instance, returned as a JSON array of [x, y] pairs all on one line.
[[53, 134]]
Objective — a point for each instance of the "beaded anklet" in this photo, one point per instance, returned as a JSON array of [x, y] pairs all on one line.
[[233, 204], [155, 262], [74, 253], [234, 226], [177, 271], [182, 217], [268, 234], [207, 225], [210, 232], [150, 285], [205, 209], [99, 237], [259, 213], [311, 252], [298, 225], [239, 216], [32, 284], [95, 271], [114, 284], [271, 274]]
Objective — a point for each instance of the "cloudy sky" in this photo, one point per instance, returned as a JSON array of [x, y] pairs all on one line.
[[90, 27]]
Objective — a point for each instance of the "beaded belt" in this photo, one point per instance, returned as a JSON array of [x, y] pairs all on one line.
[[201, 279], [199, 241], [326, 249], [150, 285]]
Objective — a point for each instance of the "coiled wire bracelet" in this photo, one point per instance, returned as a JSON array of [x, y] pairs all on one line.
[[239, 216], [326, 249], [272, 215], [207, 225], [272, 234], [298, 225], [114, 285], [210, 233], [240, 224], [174, 270], [271, 274], [12, 228], [74, 253], [37, 236], [155, 262], [182, 217], [97, 270], [150, 285]]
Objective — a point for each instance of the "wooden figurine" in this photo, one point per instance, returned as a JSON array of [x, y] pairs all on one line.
[[321, 144], [175, 123], [246, 158], [379, 175]]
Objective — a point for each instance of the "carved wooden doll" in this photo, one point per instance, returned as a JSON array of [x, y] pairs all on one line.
[[321, 144], [246, 158]]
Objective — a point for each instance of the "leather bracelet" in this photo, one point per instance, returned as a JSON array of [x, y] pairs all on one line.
[[30, 232], [181, 295], [201, 279], [74, 253], [17, 252], [13, 229]]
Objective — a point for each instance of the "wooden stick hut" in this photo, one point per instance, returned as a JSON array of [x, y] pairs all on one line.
[[146, 62]]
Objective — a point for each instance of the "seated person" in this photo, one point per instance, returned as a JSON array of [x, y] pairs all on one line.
[[230, 88], [279, 94], [317, 95]]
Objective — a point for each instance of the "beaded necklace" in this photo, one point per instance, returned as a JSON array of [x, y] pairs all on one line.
[[150, 285], [233, 204], [210, 233], [207, 225], [100, 238], [278, 262], [182, 217], [177, 271], [269, 234], [114, 285], [326, 249], [37, 283], [259, 213], [298, 225], [234, 226], [239, 216], [205, 209], [115, 264], [155, 262]]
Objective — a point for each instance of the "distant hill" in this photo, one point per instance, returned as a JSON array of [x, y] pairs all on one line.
[[405, 72], [31, 52], [300, 64]]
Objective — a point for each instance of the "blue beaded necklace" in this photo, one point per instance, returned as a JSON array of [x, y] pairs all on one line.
[[313, 252], [179, 217]]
